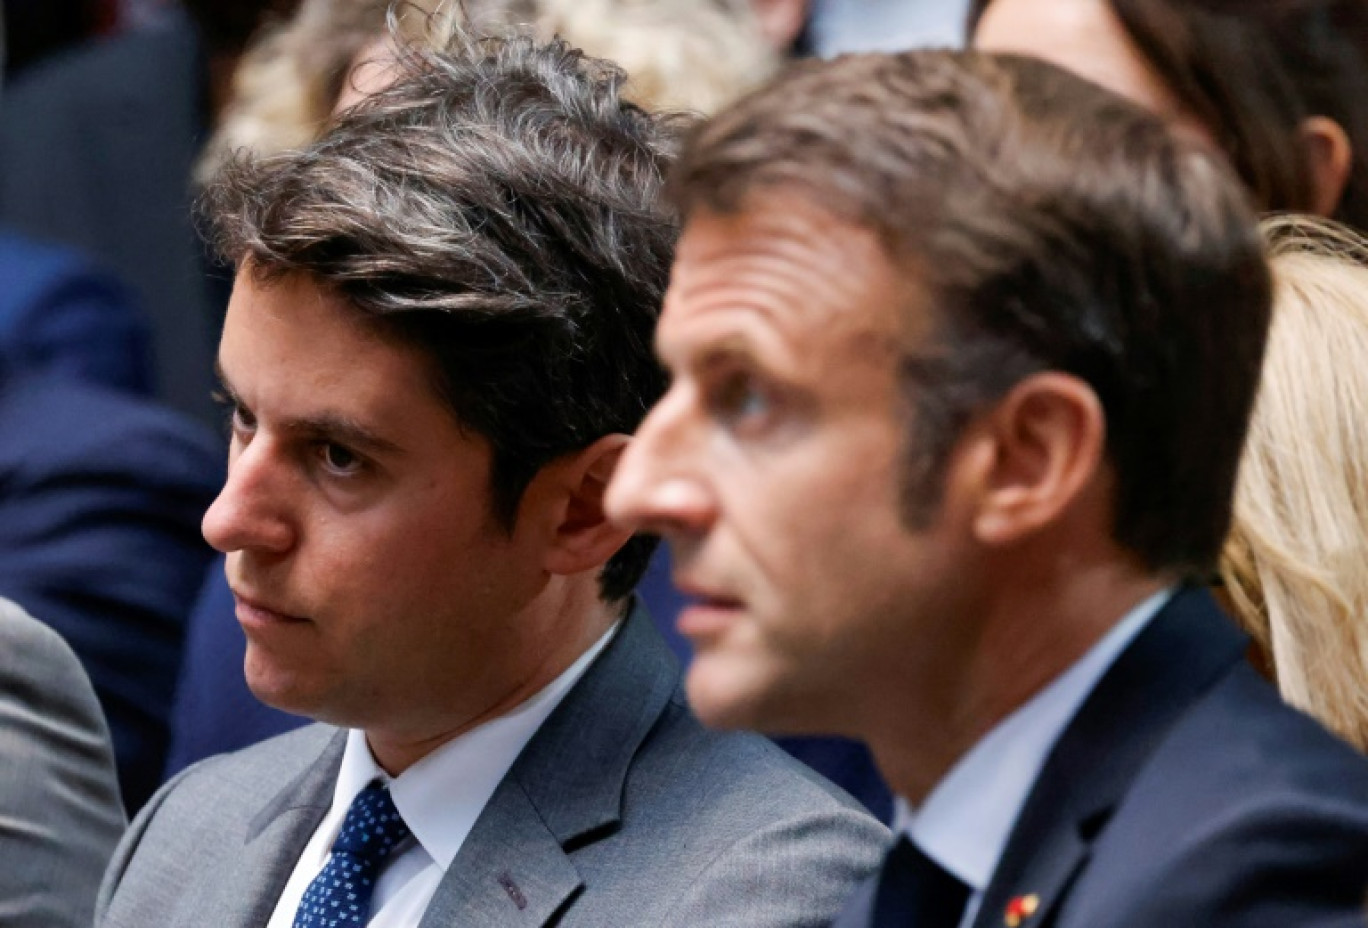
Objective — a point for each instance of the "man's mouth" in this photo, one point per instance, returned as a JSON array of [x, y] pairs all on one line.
[[708, 613], [257, 613]]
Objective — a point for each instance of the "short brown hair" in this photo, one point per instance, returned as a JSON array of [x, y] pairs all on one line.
[[1054, 226], [1252, 72]]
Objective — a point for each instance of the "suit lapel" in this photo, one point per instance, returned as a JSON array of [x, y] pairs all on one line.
[[510, 871], [563, 792], [1185, 649], [245, 895]]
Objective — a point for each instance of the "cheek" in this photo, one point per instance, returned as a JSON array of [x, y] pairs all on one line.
[[825, 521], [376, 563]]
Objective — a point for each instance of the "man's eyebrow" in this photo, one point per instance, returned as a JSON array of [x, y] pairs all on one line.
[[341, 429], [225, 389], [327, 426], [725, 352]]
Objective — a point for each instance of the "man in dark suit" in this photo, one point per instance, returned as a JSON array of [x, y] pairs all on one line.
[[100, 498], [101, 492], [963, 352], [437, 344], [59, 314]]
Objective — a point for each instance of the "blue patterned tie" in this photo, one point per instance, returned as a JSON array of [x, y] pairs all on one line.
[[341, 893]]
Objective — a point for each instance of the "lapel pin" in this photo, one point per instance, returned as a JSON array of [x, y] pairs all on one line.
[[1020, 909]]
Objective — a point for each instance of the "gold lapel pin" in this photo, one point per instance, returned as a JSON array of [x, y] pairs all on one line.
[[1020, 909]]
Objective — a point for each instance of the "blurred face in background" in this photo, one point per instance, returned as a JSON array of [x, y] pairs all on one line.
[[1087, 38]]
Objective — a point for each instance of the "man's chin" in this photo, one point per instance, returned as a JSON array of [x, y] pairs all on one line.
[[727, 696], [282, 689], [730, 693]]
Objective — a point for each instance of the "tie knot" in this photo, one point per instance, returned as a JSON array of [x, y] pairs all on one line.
[[372, 827]]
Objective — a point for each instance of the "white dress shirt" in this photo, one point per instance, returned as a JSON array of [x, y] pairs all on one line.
[[440, 797], [966, 820]]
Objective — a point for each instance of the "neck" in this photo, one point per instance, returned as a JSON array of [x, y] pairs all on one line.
[[558, 628], [1031, 627]]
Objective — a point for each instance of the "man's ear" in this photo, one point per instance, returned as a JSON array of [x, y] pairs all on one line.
[[1330, 156], [1039, 449], [581, 537]]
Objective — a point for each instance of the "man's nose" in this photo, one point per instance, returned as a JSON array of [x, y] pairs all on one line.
[[659, 486], [250, 511]]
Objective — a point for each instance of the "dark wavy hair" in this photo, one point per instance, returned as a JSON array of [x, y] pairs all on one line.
[[498, 209]]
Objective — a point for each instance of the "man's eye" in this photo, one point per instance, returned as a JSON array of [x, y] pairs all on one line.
[[238, 420], [339, 459], [242, 420], [740, 399]]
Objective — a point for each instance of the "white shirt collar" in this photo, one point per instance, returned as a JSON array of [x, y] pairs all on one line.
[[442, 795], [964, 823]]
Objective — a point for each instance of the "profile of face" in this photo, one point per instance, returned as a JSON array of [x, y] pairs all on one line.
[[1087, 38], [374, 584], [774, 469]]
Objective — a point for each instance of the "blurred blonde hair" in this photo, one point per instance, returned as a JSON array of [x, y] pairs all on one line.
[[693, 55], [1296, 562], [285, 85], [679, 55]]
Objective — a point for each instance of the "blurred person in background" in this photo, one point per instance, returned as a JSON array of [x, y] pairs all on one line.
[[100, 491], [679, 55], [1296, 563], [35, 29], [101, 494], [1276, 85], [97, 147], [60, 816], [60, 811]]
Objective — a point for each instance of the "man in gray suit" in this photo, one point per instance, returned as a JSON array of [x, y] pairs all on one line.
[[438, 342], [60, 815]]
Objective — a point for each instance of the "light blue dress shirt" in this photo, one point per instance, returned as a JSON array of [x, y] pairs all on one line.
[[967, 818]]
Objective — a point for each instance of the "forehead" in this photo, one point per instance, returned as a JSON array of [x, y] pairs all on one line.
[[290, 340], [782, 265]]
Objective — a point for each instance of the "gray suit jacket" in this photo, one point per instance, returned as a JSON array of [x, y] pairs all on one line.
[[622, 810], [60, 815]]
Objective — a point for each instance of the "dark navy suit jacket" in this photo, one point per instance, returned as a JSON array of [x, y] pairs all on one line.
[[59, 314], [101, 496], [1185, 794]]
